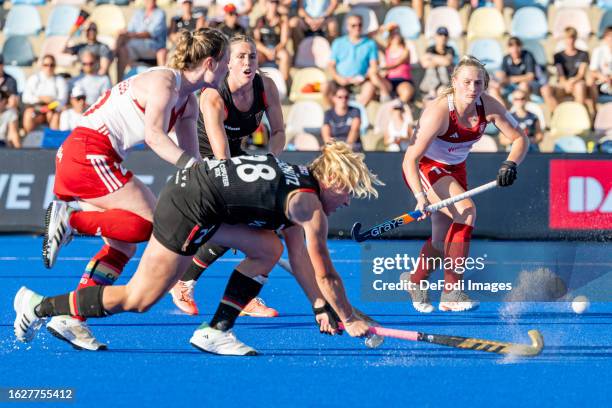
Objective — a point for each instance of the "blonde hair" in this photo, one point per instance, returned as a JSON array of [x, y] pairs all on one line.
[[466, 61], [338, 165], [193, 47]]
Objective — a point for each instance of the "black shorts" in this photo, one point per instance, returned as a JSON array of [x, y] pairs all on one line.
[[180, 222], [395, 82]]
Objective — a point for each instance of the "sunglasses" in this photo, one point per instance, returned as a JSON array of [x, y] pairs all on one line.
[[355, 25], [519, 99], [48, 65], [87, 63], [80, 98]]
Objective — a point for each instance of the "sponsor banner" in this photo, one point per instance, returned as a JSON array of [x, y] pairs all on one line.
[[580, 194]]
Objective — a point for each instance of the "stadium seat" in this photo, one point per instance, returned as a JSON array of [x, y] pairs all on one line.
[[61, 20], [486, 22], [603, 120], [444, 17], [28, 2], [537, 49], [489, 52], [606, 21], [568, 119], [69, 2], [580, 44], [571, 17], [408, 22], [22, 19], [313, 52], [275, 75], [304, 77], [19, 75], [115, 2], [486, 144], [363, 113], [109, 19], [141, 3], [543, 4], [572, 3], [305, 116], [570, 144], [370, 21], [529, 23], [604, 4], [17, 50], [54, 45], [203, 3], [306, 142]]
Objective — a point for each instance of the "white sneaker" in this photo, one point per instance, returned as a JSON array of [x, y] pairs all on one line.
[[220, 342], [26, 322], [457, 301], [58, 231], [420, 297], [75, 332]]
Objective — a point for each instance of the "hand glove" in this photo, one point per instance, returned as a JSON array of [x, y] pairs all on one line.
[[506, 174], [332, 316]]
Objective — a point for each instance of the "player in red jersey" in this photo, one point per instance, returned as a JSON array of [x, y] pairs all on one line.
[[114, 204], [434, 169]]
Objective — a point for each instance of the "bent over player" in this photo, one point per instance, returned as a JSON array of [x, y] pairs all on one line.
[[116, 205], [434, 169], [237, 203]]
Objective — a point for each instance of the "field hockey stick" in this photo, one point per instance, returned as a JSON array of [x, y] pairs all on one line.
[[468, 343], [408, 217]]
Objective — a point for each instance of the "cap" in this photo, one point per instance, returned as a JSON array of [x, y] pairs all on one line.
[[442, 31], [76, 92], [229, 8]]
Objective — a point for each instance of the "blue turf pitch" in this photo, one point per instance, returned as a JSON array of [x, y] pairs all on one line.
[[150, 361]]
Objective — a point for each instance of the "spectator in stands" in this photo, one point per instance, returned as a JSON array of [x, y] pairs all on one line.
[[528, 121], [188, 20], [354, 63], [397, 72], [69, 118], [572, 65], [600, 79], [41, 90], [418, 5], [243, 7], [399, 130], [520, 71], [90, 81], [101, 50], [438, 64], [231, 25], [9, 123], [271, 34], [8, 84], [315, 17], [342, 122], [144, 40]]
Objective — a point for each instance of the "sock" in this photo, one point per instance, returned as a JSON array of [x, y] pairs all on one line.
[[104, 268], [456, 249], [430, 258], [116, 224], [239, 291], [86, 302], [206, 255]]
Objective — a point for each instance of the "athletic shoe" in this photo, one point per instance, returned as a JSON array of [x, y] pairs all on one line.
[[58, 231], [420, 297], [182, 296], [220, 342], [257, 308], [457, 301], [26, 322], [74, 331]]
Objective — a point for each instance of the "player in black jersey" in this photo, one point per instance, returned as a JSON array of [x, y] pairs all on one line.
[[236, 203], [232, 112]]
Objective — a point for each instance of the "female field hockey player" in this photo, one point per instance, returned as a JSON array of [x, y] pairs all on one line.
[[237, 203], [233, 112], [434, 169], [114, 204]]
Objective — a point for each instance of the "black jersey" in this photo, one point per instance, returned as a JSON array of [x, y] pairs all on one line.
[[253, 190], [237, 124]]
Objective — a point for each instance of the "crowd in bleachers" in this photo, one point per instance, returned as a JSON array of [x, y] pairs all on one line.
[[358, 70]]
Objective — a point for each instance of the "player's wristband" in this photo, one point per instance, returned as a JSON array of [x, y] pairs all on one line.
[[185, 161], [419, 194]]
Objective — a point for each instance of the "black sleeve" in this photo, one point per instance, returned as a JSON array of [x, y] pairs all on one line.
[[559, 62], [529, 63], [354, 113], [505, 66], [327, 117], [584, 56], [430, 50], [11, 85]]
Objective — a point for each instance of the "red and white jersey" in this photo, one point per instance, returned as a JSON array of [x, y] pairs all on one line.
[[455, 144], [118, 115]]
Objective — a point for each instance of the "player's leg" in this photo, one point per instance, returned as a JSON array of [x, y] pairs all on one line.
[[157, 271], [456, 242], [263, 250]]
